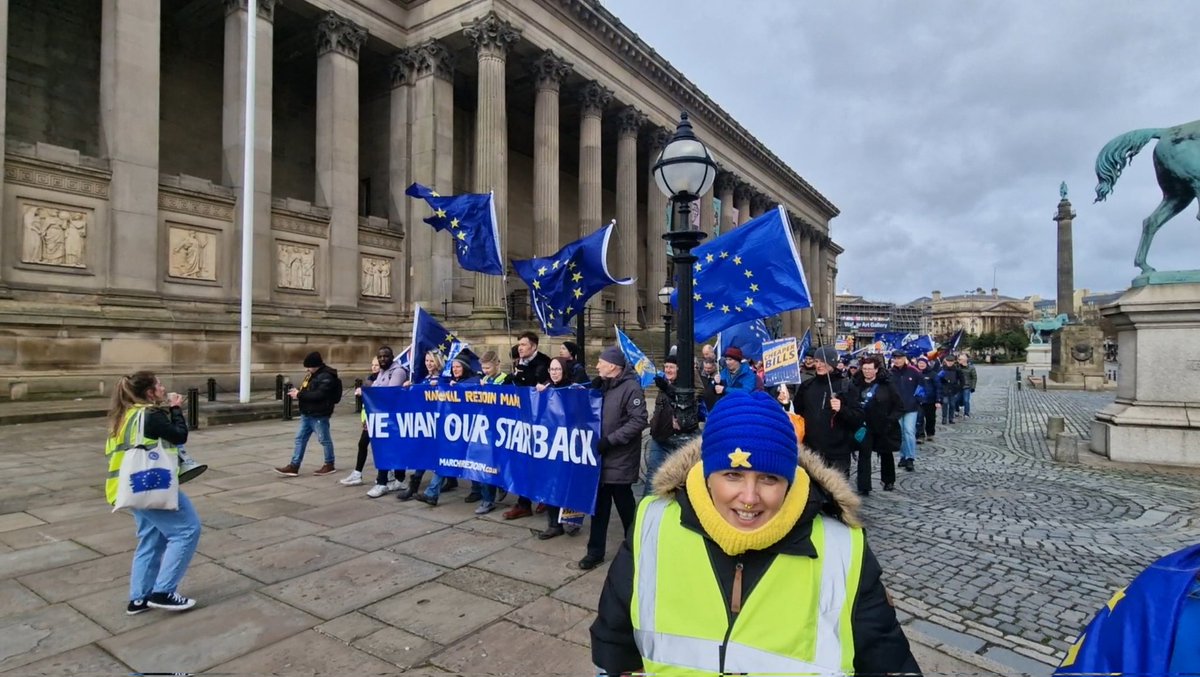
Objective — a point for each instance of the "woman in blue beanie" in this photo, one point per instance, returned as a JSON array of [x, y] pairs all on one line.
[[749, 559]]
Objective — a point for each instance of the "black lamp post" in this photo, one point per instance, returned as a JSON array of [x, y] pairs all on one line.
[[820, 330], [684, 171], [664, 296]]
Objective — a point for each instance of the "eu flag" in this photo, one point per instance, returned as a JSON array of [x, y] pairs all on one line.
[[921, 345], [560, 285], [749, 273], [805, 343], [471, 220], [747, 337], [642, 366], [428, 334]]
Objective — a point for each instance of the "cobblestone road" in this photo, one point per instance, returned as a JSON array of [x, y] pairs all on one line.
[[1008, 552]]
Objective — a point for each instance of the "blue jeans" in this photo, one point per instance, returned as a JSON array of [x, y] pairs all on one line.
[[659, 451], [309, 425], [964, 400], [435, 486], [948, 404], [908, 435], [167, 539]]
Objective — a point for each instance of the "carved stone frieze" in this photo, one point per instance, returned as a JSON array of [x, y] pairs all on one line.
[[296, 266], [291, 224], [336, 33], [191, 253], [491, 35], [594, 98], [184, 204], [630, 120], [54, 236], [44, 177], [549, 70], [433, 58], [376, 277], [380, 240], [266, 8]]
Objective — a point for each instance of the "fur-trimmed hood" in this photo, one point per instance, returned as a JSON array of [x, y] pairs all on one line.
[[842, 501]]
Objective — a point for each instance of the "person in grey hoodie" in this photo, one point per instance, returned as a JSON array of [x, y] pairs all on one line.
[[390, 374], [622, 421]]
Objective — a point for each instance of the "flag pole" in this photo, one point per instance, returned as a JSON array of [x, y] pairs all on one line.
[[247, 310]]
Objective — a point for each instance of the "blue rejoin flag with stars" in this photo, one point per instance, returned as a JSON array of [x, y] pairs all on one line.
[[471, 220], [747, 337], [750, 272], [560, 285], [428, 334]]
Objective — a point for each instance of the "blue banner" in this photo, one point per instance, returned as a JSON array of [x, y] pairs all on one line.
[[781, 362], [538, 445]]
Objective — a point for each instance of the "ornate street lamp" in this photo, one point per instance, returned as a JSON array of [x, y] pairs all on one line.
[[820, 329], [684, 171], [664, 297]]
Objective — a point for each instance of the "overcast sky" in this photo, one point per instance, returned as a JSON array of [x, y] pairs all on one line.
[[942, 128]]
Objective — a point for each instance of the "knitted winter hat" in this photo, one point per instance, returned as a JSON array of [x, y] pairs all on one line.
[[313, 359], [749, 431], [613, 356], [572, 348]]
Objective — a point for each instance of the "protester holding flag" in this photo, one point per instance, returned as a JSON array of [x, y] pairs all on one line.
[[734, 375], [882, 410], [622, 421], [927, 394], [559, 378], [707, 381], [830, 405]]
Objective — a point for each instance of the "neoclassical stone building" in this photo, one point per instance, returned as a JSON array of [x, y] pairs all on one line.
[[120, 219]]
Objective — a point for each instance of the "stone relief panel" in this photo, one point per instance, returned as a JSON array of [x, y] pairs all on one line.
[[376, 277], [296, 264], [192, 254], [54, 236]]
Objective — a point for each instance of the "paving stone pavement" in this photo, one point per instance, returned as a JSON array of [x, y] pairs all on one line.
[[994, 554]]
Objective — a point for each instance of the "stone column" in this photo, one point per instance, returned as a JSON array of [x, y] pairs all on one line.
[[724, 188], [656, 226], [741, 196], [707, 215], [338, 42], [403, 71], [1065, 216], [129, 109], [492, 37], [593, 99], [758, 204], [431, 107], [3, 98], [629, 123], [818, 287], [233, 126], [549, 71]]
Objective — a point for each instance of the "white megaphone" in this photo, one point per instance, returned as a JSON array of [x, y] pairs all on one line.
[[189, 468]]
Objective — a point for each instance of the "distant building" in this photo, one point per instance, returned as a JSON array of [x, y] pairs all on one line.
[[860, 318], [978, 313], [1087, 304]]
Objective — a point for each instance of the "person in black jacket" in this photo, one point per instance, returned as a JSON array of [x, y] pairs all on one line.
[[744, 500], [665, 437], [622, 420], [927, 414], [576, 372], [949, 386], [829, 403], [530, 368], [882, 409], [317, 395]]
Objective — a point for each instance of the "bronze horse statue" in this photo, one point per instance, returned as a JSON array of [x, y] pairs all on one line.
[[1176, 164]]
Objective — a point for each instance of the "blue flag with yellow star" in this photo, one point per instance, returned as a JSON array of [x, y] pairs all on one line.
[[428, 334], [560, 285], [751, 272], [470, 219], [642, 366], [748, 337]]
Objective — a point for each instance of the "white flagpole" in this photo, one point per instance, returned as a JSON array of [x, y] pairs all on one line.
[[248, 204]]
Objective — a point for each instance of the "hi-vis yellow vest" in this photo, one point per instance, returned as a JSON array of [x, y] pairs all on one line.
[[796, 621], [116, 447]]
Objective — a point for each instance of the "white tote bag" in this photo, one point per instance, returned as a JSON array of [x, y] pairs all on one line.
[[147, 477]]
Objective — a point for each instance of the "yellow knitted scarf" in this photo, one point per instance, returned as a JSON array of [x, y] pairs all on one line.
[[733, 540]]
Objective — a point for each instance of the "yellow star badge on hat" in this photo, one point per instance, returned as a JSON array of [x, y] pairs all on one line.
[[739, 459]]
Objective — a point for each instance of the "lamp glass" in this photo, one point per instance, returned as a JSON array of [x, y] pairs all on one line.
[[664, 295], [684, 166]]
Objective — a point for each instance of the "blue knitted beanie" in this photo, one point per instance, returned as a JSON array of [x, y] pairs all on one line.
[[749, 431]]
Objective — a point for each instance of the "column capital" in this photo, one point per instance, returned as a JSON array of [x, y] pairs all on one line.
[[336, 33], [266, 8], [630, 120], [743, 191], [594, 98], [491, 35], [725, 181], [549, 70], [657, 138], [432, 57], [403, 67], [759, 200]]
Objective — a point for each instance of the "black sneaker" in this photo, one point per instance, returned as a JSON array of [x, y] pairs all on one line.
[[550, 532], [136, 607], [889, 487], [473, 497], [589, 562], [170, 601], [432, 502]]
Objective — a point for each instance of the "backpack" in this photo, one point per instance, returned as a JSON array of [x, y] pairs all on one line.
[[337, 393]]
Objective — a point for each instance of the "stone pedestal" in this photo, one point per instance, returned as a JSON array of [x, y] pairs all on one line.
[[1156, 416], [1077, 355], [1037, 358]]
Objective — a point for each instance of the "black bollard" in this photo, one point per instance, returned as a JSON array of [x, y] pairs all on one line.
[[193, 400], [1044, 379], [1018, 373], [287, 401], [358, 397], [1019, 384], [212, 390], [279, 386]]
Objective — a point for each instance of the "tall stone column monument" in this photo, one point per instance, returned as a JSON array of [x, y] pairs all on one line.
[[1076, 356]]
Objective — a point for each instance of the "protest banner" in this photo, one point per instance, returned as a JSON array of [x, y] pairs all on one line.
[[539, 445], [781, 362]]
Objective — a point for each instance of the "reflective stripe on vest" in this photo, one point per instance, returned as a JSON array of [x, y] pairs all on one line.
[[680, 620], [116, 447]]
